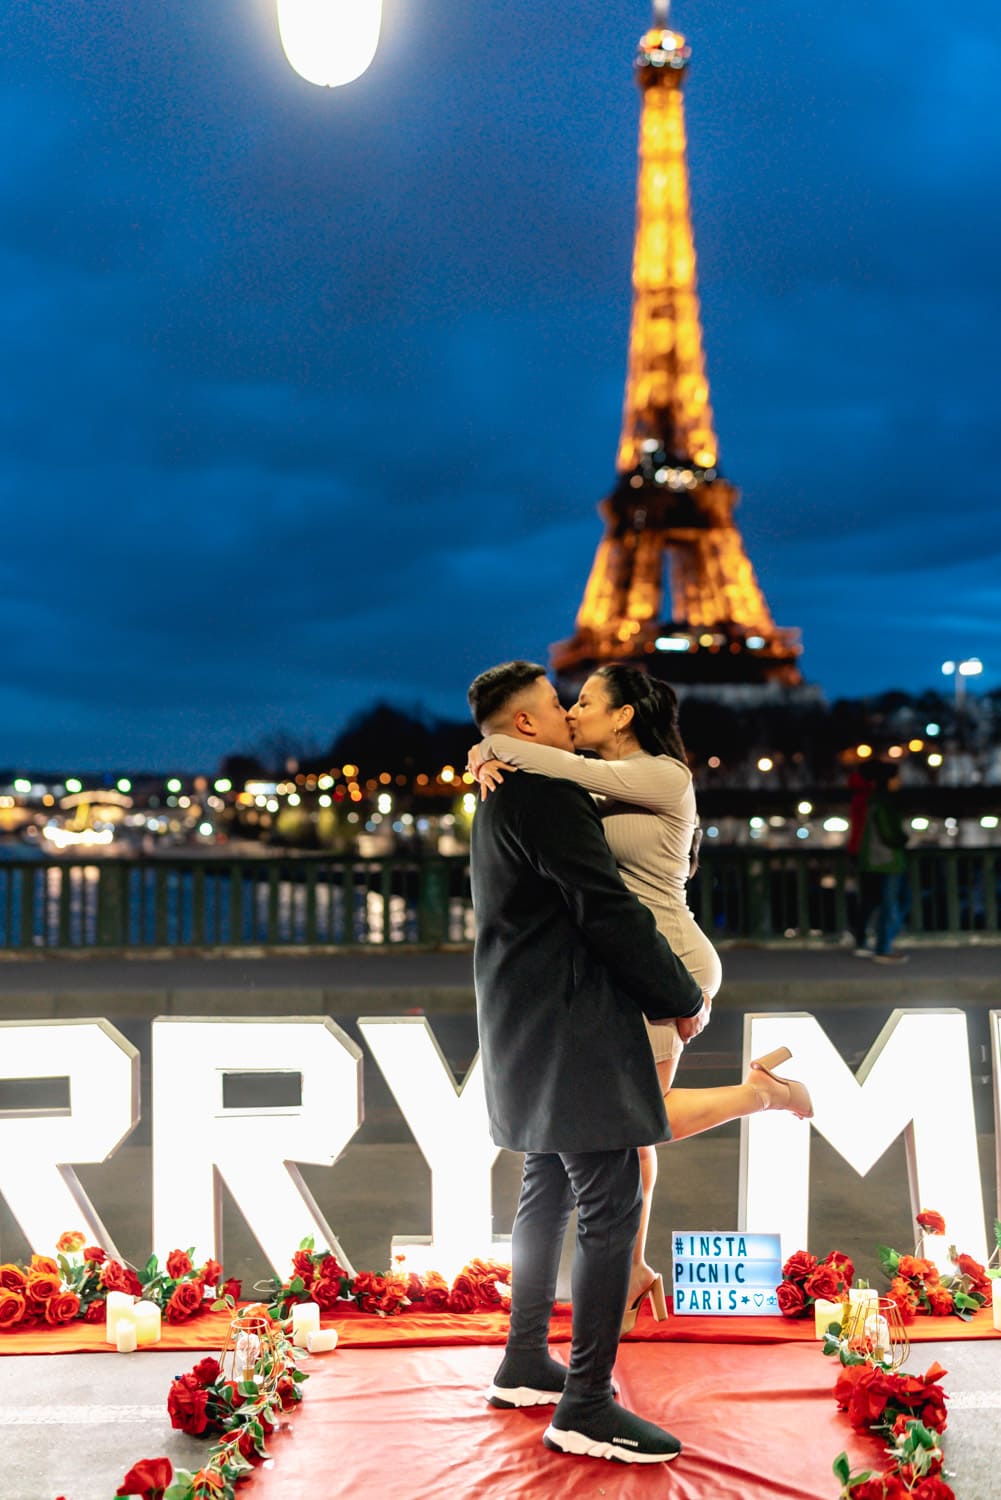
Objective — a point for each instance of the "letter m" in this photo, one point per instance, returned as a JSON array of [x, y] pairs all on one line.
[[915, 1079]]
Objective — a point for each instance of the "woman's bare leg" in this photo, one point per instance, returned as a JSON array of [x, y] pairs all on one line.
[[690, 1111], [641, 1275]]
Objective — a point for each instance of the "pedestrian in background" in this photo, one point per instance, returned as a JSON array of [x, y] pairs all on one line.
[[883, 853]]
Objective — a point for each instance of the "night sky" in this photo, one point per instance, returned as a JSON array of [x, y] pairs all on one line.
[[310, 395]]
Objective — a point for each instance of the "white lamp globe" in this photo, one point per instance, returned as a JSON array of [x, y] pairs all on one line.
[[330, 42]]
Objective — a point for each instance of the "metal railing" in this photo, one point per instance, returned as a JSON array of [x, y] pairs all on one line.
[[344, 901]]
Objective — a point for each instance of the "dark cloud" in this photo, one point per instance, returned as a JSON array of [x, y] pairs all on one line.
[[310, 395]]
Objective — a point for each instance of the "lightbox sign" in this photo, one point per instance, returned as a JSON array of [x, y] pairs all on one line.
[[731, 1274]]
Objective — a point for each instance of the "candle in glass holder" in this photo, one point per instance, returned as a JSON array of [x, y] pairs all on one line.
[[305, 1320], [117, 1305], [320, 1340], [146, 1316], [125, 1334], [825, 1313]]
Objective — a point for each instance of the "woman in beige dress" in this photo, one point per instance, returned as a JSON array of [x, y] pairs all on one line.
[[646, 800]]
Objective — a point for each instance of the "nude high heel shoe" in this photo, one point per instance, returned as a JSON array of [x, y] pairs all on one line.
[[658, 1305], [798, 1103]]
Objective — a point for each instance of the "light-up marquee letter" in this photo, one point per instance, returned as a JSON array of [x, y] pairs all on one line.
[[42, 1191], [253, 1148], [451, 1128], [915, 1079]]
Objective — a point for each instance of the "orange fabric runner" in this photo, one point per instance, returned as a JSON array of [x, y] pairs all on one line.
[[439, 1330]]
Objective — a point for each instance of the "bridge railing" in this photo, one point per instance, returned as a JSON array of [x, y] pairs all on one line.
[[345, 901]]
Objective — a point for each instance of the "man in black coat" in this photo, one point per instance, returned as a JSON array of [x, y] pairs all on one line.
[[567, 961]]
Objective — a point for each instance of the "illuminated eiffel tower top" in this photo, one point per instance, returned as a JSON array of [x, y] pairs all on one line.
[[671, 505]]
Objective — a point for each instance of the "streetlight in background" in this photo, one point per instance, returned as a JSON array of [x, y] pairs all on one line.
[[330, 42], [959, 671]]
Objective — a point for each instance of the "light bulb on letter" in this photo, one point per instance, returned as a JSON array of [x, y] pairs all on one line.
[[330, 42]]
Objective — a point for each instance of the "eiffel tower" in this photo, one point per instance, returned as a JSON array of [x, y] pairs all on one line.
[[671, 509]]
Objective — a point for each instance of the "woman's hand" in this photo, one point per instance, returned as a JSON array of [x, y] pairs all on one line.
[[490, 774], [689, 1027]]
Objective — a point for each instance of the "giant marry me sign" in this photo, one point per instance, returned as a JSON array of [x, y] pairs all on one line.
[[915, 1078]]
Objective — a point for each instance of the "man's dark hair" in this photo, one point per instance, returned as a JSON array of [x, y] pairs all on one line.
[[493, 689]]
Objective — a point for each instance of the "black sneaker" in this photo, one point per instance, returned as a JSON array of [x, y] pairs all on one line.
[[610, 1432], [527, 1380]]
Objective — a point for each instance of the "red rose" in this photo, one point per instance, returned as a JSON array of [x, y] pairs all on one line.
[[96, 1311], [932, 1487], [903, 1294], [42, 1286], [880, 1487], [44, 1263], [287, 1390], [415, 1287], [70, 1242], [94, 1255], [799, 1266], [933, 1413], [12, 1308], [186, 1403], [791, 1299], [844, 1267], [211, 1273], [247, 1445], [463, 1296], [148, 1478], [970, 1267], [185, 1301], [435, 1291], [231, 1288], [118, 1278], [380, 1294], [207, 1371], [13, 1278], [915, 1268], [62, 1308], [302, 1265], [940, 1302], [823, 1284], [326, 1294], [179, 1264], [930, 1221]]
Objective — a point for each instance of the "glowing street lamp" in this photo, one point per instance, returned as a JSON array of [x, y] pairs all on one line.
[[959, 671], [330, 42]]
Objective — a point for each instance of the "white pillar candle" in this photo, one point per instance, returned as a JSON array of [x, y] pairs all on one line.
[[319, 1340], [305, 1320], [146, 1316], [825, 1313], [996, 1302], [117, 1305], [863, 1296], [125, 1334]]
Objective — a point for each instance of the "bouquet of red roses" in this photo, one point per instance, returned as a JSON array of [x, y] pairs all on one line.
[[917, 1285], [807, 1280]]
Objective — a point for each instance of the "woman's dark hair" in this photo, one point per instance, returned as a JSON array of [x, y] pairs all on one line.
[[654, 705], [655, 721]]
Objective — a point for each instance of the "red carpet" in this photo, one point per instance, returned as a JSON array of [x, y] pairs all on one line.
[[444, 1330], [757, 1423]]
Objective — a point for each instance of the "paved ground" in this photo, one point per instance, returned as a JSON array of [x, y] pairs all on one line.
[[380, 1185]]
